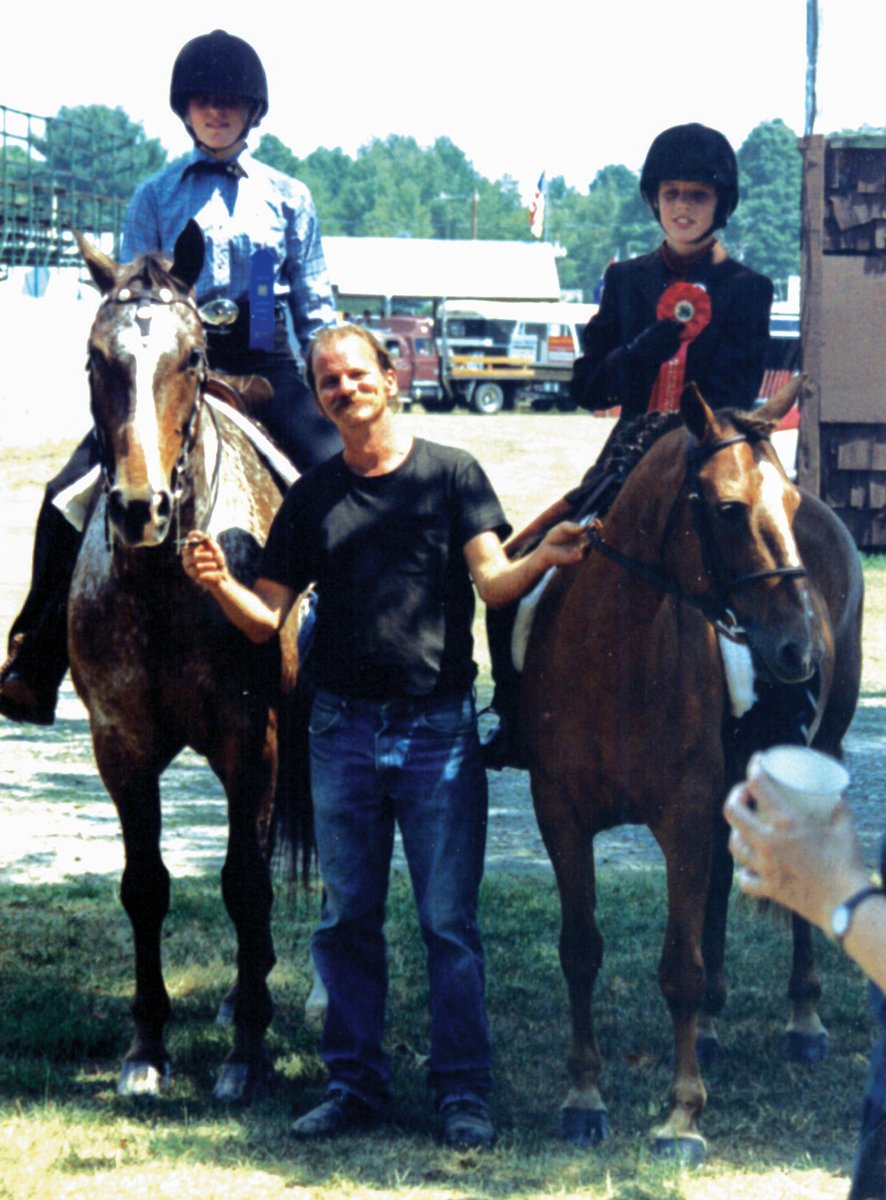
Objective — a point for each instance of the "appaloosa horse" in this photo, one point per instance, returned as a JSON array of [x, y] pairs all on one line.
[[154, 660], [628, 717]]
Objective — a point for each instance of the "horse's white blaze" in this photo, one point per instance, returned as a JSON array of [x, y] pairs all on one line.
[[773, 500], [145, 345]]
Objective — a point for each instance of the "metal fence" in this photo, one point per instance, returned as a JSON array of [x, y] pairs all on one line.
[[58, 175]]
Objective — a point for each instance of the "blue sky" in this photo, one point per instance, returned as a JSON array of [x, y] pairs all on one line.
[[565, 86]]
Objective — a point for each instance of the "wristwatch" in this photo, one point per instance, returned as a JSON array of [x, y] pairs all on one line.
[[841, 917]]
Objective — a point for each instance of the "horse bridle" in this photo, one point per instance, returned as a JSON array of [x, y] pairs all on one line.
[[714, 608], [167, 296]]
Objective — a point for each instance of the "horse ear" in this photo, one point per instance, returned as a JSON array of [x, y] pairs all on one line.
[[783, 401], [101, 267], [188, 254], [695, 411]]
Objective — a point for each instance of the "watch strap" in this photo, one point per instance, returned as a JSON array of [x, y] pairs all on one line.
[[847, 909]]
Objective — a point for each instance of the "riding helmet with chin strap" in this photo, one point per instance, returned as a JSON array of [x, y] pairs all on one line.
[[698, 154], [219, 64]]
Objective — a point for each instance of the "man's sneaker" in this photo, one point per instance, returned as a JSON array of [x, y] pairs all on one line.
[[466, 1125], [341, 1112]]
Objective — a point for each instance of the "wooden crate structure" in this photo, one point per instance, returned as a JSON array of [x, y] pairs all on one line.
[[842, 441]]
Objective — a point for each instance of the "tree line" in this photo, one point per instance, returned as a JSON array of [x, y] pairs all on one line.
[[393, 187]]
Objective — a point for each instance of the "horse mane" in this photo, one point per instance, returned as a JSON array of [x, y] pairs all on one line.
[[625, 447], [634, 439]]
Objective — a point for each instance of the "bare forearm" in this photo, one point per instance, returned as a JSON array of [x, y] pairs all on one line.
[[515, 579], [244, 609], [258, 612], [866, 939], [500, 581]]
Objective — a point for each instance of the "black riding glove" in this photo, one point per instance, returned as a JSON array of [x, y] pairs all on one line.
[[657, 343]]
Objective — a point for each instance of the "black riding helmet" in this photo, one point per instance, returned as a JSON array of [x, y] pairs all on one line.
[[698, 154], [222, 64]]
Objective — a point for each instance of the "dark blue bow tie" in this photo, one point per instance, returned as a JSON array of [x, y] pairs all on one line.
[[215, 166]]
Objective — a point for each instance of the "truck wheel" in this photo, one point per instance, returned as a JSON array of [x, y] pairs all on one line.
[[487, 398], [566, 404], [439, 404], [542, 404]]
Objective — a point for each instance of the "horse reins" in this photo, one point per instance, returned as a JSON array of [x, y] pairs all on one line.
[[715, 609], [166, 296]]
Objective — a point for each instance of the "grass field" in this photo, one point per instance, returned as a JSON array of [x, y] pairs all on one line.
[[65, 981]]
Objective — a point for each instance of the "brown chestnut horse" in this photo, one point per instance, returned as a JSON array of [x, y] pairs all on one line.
[[627, 717], [154, 660]]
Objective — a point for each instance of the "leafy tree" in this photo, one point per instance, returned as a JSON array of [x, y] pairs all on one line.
[[765, 229], [98, 149], [609, 221]]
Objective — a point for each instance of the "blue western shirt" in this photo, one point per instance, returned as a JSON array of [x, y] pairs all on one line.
[[262, 209]]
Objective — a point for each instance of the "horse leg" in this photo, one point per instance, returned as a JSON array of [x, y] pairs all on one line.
[[681, 975], [713, 944], [806, 1039], [247, 1072], [584, 1120], [144, 893]]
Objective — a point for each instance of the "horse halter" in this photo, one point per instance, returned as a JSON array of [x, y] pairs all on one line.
[[145, 299], [715, 609]]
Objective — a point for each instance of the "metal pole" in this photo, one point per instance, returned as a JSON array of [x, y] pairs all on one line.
[[812, 16]]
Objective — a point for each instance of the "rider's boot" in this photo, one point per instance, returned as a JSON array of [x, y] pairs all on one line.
[[503, 746], [38, 640]]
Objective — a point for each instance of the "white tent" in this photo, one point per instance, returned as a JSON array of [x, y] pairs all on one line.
[[428, 269]]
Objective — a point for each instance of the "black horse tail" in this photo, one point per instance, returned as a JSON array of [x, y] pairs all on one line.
[[291, 844]]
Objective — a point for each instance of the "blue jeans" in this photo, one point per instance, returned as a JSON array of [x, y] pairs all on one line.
[[416, 762]]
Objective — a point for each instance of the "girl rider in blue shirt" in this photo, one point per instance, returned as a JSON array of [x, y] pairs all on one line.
[[263, 251]]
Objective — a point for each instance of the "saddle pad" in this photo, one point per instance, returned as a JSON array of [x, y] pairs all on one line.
[[738, 667], [525, 616]]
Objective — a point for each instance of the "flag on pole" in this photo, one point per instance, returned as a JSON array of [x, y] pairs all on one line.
[[537, 208]]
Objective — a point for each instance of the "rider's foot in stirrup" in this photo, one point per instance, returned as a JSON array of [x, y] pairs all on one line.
[[21, 697]]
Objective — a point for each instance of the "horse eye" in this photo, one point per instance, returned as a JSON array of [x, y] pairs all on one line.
[[194, 360], [731, 510]]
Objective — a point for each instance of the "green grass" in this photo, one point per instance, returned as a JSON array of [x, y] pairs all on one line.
[[65, 989]]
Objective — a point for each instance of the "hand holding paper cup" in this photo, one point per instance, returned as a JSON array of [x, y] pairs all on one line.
[[808, 782]]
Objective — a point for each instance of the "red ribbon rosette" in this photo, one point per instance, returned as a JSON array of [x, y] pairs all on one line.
[[690, 305]]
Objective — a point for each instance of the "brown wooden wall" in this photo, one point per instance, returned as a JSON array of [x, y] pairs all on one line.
[[842, 445]]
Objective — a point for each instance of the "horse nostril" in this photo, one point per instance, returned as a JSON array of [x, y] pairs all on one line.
[[794, 661], [116, 506], [162, 507]]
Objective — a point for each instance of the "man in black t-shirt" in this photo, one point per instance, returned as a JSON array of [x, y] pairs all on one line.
[[394, 531]]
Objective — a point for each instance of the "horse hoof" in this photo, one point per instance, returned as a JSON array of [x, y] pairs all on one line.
[[805, 1048], [144, 1079], [242, 1083], [709, 1052], [687, 1150], [584, 1126]]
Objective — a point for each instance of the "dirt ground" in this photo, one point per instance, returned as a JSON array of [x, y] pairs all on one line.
[[56, 817]]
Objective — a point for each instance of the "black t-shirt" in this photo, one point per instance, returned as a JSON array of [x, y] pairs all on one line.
[[396, 602]]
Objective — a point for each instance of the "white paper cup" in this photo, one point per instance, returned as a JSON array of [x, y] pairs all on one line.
[[810, 782]]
